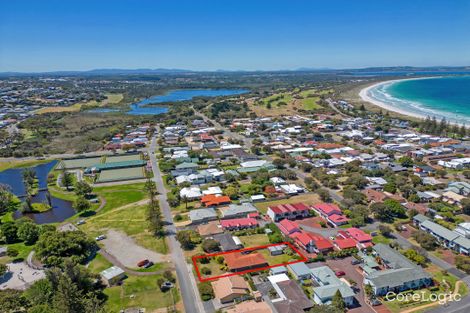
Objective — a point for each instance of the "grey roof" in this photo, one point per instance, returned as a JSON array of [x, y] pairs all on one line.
[[401, 269], [112, 272], [439, 230], [238, 209], [296, 300], [202, 214], [278, 270], [186, 165], [463, 242], [226, 242], [329, 284], [299, 269], [420, 218]]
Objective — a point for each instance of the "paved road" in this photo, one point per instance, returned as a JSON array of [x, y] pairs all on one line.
[[439, 262], [186, 279]]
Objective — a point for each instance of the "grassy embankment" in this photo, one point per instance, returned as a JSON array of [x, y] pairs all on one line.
[[111, 98]]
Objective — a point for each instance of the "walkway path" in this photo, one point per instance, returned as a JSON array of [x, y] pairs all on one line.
[[187, 283]]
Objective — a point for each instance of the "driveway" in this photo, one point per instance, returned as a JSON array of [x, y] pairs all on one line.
[[352, 273], [127, 252]]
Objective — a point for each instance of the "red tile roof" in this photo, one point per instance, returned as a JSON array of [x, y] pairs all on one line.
[[358, 234], [345, 243], [337, 218], [239, 261], [209, 200], [239, 222], [288, 227], [289, 208], [327, 208]]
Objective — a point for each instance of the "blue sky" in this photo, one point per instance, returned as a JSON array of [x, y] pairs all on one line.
[[250, 35]]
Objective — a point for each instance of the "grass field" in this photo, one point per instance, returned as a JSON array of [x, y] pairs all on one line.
[[307, 198], [23, 251], [121, 174], [140, 292], [111, 99], [122, 158], [130, 219], [254, 240], [79, 163], [99, 264], [4, 165], [119, 195]]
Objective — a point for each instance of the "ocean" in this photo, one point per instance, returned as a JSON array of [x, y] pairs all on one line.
[[442, 97]]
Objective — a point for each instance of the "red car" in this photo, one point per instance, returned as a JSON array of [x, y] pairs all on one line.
[[340, 273], [143, 263]]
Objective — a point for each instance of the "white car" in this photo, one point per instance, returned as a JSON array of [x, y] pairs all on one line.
[[100, 237], [81, 222]]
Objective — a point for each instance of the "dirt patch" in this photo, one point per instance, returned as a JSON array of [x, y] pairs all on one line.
[[123, 248], [312, 222]]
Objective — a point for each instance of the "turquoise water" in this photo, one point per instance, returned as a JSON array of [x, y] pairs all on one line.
[[178, 95], [443, 97], [142, 108]]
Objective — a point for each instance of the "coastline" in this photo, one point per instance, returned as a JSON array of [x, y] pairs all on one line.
[[364, 95]]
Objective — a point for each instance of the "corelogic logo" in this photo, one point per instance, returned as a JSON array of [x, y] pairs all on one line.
[[441, 298]]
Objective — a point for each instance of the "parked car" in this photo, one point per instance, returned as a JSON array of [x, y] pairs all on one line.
[[143, 263], [340, 273], [81, 222], [149, 264], [100, 237], [374, 302], [355, 261]]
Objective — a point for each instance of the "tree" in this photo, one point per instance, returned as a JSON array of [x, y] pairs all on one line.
[[67, 179], [154, 214], [13, 301], [9, 232], [232, 192], [83, 189], [7, 203], [28, 232], [357, 180], [463, 262], [465, 205], [324, 194], [54, 247], [385, 230], [210, 245], [425, 240], [338, 302], [406, 161], [81, 204], [206, 291], [184, 238], [3, 269]]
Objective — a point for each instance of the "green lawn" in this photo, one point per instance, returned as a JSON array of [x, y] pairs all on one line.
[[23, 251], [120, 195], [311, 103], [140, 292], [380, 239], [254, 240], [132, 220], [278, 98], [4, 165], [99, 264]]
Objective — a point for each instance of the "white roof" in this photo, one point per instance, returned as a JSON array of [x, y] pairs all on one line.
[[255, 163]]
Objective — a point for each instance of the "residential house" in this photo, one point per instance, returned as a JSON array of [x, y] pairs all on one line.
[[400, 274], [300, 271], [331, 213], [312, 243], [238, 262], [214, 200], [289, 211], [239, 223], [229, 289], [363, 239], [210, 229], [199, 216], [237, 210], [228, 242], [288, 227], [291, 298], [328, 286], [250, 306]]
